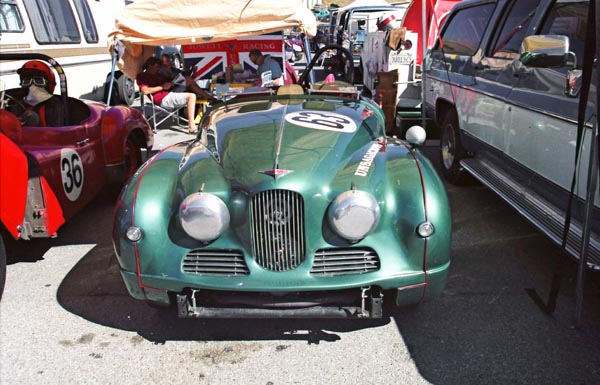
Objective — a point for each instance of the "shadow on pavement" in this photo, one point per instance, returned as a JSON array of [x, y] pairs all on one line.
[[486, 328]]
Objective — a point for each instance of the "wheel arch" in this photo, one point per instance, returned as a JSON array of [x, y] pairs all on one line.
[[442, 107]]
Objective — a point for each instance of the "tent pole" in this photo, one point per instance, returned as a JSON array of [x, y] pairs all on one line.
[[424, 47]]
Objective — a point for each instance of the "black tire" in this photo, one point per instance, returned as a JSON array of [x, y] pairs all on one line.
[[298, 56], [132, 156], [126, 87], [451, 149], [2, 265]]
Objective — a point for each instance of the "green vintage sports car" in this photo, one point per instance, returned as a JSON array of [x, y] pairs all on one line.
[[286, 206]]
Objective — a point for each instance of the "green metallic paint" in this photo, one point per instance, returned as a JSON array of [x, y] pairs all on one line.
[[324, 164]]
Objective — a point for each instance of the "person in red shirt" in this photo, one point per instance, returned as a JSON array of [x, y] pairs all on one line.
[[165, 94]]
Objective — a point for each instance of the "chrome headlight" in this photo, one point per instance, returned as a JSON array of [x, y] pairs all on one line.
[[353, 214], [203, 216]]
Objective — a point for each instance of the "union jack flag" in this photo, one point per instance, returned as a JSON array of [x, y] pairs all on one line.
[[211, 58]]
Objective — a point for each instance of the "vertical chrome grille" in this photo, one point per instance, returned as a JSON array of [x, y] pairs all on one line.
[[278, 229]]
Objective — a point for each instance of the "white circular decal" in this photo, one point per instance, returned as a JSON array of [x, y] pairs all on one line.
[[71, 169], [322, 120]]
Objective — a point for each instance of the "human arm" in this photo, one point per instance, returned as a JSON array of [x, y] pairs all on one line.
[[195, 88]]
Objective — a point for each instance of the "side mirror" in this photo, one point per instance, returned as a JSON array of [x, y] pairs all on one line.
[[416, 135], [544, 51]]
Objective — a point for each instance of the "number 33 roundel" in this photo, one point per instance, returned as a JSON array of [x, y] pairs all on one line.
[[318, 120]]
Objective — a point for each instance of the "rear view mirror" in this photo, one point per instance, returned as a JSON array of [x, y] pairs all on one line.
[[544, 50]]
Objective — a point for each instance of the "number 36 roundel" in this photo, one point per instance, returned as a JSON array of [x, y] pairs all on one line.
[[71, 169]]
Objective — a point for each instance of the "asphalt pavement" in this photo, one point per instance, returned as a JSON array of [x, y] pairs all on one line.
[[66, 317]]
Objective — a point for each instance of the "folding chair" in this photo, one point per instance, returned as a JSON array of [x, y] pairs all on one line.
[[158, 114]]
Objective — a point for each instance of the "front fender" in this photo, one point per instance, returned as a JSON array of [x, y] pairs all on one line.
[[13, 185], [150, 200], [118, 123]]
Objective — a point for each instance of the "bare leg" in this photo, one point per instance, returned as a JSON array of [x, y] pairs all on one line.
[[191, 108]]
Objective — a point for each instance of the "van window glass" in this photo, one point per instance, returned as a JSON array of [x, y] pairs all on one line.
[[52, 21], [465, 30], [568, 19], [86, 20], [10, 18], [514, 29]]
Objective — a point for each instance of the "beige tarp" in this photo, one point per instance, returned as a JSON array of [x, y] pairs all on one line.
[[148, 23]]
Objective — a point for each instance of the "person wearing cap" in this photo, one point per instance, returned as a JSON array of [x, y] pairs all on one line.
[[269, 71], [164, 94], [40, 107]]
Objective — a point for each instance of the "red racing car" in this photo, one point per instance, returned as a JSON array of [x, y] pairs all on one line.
[[48, 174]]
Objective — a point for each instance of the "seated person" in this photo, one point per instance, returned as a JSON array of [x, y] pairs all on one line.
[[151, 81], [39, 107], [167, 69], [269, 71]]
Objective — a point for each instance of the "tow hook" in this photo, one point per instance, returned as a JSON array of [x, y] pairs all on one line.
[[371, 301], [184, 307]]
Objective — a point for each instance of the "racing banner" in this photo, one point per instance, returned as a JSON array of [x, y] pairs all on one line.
[[213, 58]]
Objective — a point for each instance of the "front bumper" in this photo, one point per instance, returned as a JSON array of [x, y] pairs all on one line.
[[364, 301]]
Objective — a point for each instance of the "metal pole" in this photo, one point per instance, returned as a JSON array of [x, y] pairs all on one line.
[[585, 239], [424, 43], [112, 75]]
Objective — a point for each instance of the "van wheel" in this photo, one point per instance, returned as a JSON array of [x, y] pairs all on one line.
[[451, 149], [2, 265], [126, 90]]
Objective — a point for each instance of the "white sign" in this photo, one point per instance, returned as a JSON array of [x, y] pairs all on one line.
[[322, 120], [71, 168]]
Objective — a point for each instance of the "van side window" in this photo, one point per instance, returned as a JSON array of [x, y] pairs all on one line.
[[10, 18], [568, 19], [465, 30], [52, 21], [514, 29], [86, 20]]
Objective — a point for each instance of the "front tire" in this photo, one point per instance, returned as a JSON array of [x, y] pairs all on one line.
[[451, 149]]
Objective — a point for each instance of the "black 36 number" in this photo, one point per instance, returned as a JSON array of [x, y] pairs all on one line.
[[73, 173]]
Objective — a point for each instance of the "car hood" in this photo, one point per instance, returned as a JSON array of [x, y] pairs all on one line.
[[316, 141]]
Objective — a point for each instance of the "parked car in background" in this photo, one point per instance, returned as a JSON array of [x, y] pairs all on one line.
[[503, 86], [353, 24], [322, 15], [48, 174], [294, 47], [175, 54]]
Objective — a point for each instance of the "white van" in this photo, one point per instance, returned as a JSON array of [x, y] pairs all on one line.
[[74, 33]]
